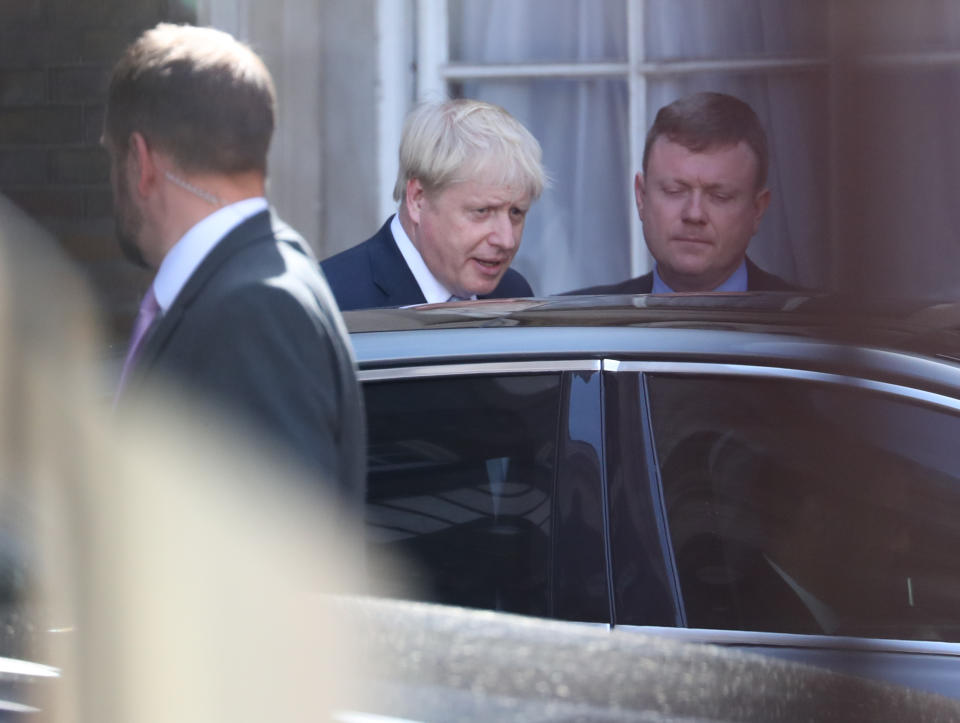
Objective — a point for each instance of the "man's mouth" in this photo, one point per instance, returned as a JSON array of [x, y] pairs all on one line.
[[488, 265]]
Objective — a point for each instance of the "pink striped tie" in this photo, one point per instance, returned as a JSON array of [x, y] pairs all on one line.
[[149, 308]]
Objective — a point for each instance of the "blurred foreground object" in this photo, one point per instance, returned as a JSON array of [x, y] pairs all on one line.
[[182, 579]]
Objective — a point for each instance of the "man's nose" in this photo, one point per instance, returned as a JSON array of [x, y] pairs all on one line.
[[693, 208], [502, 235]]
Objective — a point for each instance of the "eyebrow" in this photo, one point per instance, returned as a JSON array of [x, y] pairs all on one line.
[[718, 186], [488, 203]]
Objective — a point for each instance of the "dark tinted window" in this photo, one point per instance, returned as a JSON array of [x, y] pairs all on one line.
[[795, 507], [461, 482]]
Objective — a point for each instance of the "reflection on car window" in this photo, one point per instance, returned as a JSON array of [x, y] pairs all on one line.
[[461, 475], [802, 508]]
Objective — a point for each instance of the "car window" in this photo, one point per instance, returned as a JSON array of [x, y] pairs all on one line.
[[461, 476], [804, 508]]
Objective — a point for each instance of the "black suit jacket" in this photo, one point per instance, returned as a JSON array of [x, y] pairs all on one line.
[[757, 280], [256, 331], [374, 274]]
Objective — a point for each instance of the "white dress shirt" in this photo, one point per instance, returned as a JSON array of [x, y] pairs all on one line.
[[187, 254], [433, 291]]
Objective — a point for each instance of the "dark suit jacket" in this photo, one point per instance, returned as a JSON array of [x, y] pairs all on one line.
[[374, 274], [256, 331], [757, 280]]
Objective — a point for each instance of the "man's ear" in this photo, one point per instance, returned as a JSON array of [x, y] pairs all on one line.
[[144, 164], [638, 192], [760, 203], [414, 199]]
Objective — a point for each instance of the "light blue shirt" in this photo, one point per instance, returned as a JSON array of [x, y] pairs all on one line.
[[737, 281], [188, 253]]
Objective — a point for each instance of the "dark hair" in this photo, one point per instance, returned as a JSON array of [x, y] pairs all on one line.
[[708, 120], [197, 94]]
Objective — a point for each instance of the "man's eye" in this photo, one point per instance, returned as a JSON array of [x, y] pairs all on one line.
[[721, 197], [672, 190], [481, 211], [518, 212]]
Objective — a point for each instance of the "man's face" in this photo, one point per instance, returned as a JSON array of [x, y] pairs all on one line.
[[699, 211], [467, 233], [127, 216]]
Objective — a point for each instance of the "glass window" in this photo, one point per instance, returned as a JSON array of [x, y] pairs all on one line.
[[801, 508], [461, 475], [506, 31], [735, 28]]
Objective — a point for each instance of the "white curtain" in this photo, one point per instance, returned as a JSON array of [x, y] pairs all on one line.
[[579, 233]]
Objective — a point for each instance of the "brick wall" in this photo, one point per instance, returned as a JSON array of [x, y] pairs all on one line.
[[55, 60]]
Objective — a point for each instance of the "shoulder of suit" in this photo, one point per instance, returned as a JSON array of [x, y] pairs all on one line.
[[760, 280], [513, 283], [637, 285], [361, 251]]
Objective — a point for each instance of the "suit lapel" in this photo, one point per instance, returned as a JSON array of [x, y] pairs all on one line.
[[254, 229], [390, 272]]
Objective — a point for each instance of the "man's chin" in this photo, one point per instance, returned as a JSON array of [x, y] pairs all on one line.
[[484, 288]]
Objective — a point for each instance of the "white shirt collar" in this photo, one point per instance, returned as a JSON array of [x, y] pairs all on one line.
[[187, 254], [433, 291], [737, 281]]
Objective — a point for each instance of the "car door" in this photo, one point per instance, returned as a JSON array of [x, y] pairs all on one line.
[[486, 480], [803, 513]]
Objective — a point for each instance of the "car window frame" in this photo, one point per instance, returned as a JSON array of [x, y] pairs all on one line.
[[601, 608], [923, 664], [643, 370]]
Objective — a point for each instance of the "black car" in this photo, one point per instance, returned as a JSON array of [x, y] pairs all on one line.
[[773, 472]]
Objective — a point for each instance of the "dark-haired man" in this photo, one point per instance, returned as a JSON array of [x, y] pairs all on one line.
[[238, 313], [700, 196]]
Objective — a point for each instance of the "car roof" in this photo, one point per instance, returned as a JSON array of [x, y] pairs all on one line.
[[910, 341], [772, 310]]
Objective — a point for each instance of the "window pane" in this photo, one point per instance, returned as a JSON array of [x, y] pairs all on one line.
[[461, 475], [507, 31], [696, 29], [806, 509]]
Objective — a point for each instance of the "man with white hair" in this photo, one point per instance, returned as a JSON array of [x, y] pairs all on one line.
[[469, 173]]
